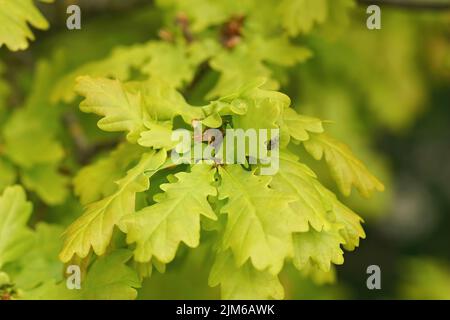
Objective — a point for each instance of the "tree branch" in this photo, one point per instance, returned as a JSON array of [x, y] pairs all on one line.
[[411, 4]]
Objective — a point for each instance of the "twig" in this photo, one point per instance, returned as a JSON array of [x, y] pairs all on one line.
[[410, 4]]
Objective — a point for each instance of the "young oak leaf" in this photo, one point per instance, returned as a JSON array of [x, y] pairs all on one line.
[[30, 144], [173, 63], [158, 135], [333, 224], [15, 236], [40, 263], [163, 102], [243, 282], [352, 230], [47, 182], [299, 126], [97, 180], [317, 275], [263, 107], [322, 248], [14, 19], [299, 16], [258, 219], [30, 140], [131, 106], [279, 50], [254, 58], [121, 109], [95, 227], [175, 217], [109, 278], [203, 14], [312, 204], [237, 68], [117, 65], [345, 168]]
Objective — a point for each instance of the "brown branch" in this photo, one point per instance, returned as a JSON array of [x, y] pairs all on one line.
[[410, 4]]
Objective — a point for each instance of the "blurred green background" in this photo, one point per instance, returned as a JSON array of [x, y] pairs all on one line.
[[387, 93]]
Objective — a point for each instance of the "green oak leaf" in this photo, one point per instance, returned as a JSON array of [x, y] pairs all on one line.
[[243, 282], [47, 182], [299, 126], [121, 109], [172, 63], [157, 135], [345, 168], [258, 219], [30, 144], [97, 180], [15, 236], [109, 278], [322, 248], [163, 102], [263, 107], [40, 264], [299, 16], [14, 19], [312, 204], [352, 230], [95, 227], [175, 217]]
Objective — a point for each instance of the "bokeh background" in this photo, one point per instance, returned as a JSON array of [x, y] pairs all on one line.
[[387, 93]]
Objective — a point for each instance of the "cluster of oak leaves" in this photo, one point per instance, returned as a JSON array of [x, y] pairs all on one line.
[[254, 223]]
